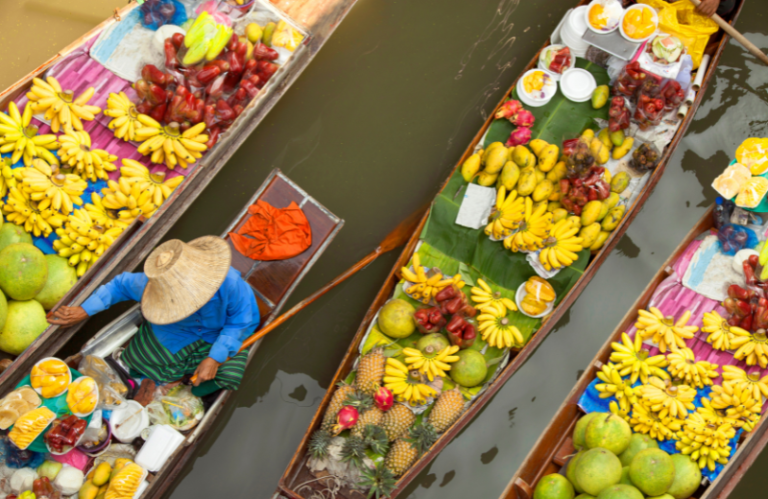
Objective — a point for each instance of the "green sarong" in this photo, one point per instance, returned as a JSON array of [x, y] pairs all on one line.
[[148, 357]]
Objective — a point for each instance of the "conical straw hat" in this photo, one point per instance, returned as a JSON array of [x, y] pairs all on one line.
[[183, 277]]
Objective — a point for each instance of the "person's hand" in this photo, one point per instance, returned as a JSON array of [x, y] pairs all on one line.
[[708, 7], [68, 316], [206, 370]]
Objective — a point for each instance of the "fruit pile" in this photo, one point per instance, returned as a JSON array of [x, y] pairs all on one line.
[[426, 284], [29, 426], [120, 481], [50, 377], [64, 434], [82, 396]]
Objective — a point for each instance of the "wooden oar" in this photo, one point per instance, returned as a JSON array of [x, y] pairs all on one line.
[[397, 237], [736, 35]]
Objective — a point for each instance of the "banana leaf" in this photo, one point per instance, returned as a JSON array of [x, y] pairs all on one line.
[[559, 119]]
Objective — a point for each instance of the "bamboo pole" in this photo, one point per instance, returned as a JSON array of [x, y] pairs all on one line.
[[736, 35]]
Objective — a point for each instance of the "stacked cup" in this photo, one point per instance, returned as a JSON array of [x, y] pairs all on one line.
[[573, 29]]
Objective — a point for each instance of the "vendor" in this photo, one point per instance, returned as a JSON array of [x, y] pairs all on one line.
[[719, 7], [197, 311]]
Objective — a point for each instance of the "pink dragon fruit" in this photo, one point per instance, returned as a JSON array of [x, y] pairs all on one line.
[[509, 109], [383, 399], [523, 118], [347, 418], [519, 137]]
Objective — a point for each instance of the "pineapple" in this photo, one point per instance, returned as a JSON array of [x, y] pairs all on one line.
[[447, 410], [337, 402], [405, 451], [396, 421], [318, 445], [376, 438], [379, 480], [353, 451], [370, 371], [372, 416]]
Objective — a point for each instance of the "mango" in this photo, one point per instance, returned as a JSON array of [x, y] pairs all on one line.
[[559, 214], [612, 200], [102, 473], [269, 30], [88, 491], [611, 221], [470, 167], [617, 138], [543, 190], [556, 194], [527, 182], [540, 175], [622, 151], [575, 221], [487, 179], [588, 135], [589, 234], [102, 492], [590, 213], [600, 96], [536, 205], [548, 158], [603, 209], [599, 150], [607, 176], [496, 160], [253, 32], [620, 182], [509, 176], [538, 145], [120, 463], [491, 147], [605, 137], [558, 172], [523, 157]]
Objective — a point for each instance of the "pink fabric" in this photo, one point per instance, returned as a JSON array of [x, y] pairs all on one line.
[[74, 458]]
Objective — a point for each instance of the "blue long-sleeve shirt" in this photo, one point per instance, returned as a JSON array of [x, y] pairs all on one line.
[[225, 321]]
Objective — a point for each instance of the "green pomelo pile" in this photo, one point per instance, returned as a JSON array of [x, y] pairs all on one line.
[[581, 428], [637, 442], [570, 471], [597, 469], [620, 491], [25, 321], [652, 471], [12, 233], [396, 319], [553, 487], [470, 369], [23, 271], [61, 278], [687, 477], [609, 432]]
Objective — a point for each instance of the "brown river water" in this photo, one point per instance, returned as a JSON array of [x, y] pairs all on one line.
[[371, 129]]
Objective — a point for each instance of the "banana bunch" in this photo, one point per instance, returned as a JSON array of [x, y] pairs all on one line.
[[751, 348], [19, 137], [663, 397], [561, 246], [426, 287], [128, 199], [613, 385], [683, 366], [90, 164], [539, 294], [433, 366], [404, 386], [644, 420], [486, 299], [82, 241], [159, 188], [715, 416], [720, 332], [664, 331], [733, 375], [706, 445], [632, 359], [102, 216], [739, 403], [624, 414], [532, 231], [509, 213], [498, 331], [169, 145], [22, 211], [126, 117], [60, 106], [50, 188], [7, 177]]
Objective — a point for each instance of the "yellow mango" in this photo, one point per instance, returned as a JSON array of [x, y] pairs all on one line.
[[487, 179], [600, 96], [611, 221], [558, 172], [538, 145], [509, 175], [471, 166], [601, 153], [543, 190], [575, 221], [538, 284], [605, 137], [491, 147], [604, 208], [548, 158], [540, 175], [612, 200], [600, 241], [523, 157], [556, 194], [590, 213], [559, 214], [622, 150], [588, 135], [607, 176], [620, 182], [88, 491], [496, 159], [552, 206], [589, 234], [101, 474], [527, 182]]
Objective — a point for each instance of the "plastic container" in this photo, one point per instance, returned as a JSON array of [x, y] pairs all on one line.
[[521, 293], [615, 10], [547, 92], [655, 22], [96, 391], [162, 442], [578, 85], [95, 450], [542, 63], [69, 374], [135, 417]]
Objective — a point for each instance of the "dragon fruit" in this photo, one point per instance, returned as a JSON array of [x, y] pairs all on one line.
[[509, 109], [383, 399], [519, 137], [346, 419], [523, 118]]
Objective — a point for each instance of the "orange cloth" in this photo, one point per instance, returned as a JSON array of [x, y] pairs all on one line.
[[276, 233]]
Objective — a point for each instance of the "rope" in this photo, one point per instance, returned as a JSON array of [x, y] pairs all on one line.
[[332, 490]]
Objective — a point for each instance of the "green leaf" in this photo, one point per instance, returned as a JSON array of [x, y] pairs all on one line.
[[559, 119]]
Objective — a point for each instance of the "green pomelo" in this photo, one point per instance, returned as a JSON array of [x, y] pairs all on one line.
[[396, 318], [553, 487], [597, 469], [652, 471], [609, 432], [584, 496], [23, 271], [570, 471], [432, 343], [470, 369], [581, 427], [663, 496], [61, 278], [620, 491], [687, 477], [12, 233], [637, 442], [625, 476], [25, 322]]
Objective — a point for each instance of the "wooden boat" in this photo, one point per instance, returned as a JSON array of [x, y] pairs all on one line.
[[272, 283], [555, 446], [297, 473], [318, 18]]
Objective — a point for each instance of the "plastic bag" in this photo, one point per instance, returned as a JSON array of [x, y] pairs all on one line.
[[681, 20], [156, 13], [112, 391], [177, 408], [753, 153], [735, 237]]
